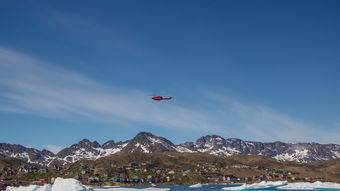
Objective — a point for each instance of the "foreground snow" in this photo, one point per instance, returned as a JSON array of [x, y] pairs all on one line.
[[70, 184], [287, 186]]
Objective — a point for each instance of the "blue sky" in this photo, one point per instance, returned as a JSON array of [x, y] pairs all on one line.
[[256, 70]]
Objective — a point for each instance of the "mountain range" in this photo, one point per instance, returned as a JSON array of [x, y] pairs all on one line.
[[148, 143]]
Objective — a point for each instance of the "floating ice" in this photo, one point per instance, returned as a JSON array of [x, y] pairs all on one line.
[[46, 187], [195, 186], [311, 186], [258, 186], [70, 184], [105, 188], [287, 186]]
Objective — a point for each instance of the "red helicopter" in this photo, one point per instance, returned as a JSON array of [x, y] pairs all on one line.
[[160, 98]]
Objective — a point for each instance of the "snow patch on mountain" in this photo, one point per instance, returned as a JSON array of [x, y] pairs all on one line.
[[148, 143]]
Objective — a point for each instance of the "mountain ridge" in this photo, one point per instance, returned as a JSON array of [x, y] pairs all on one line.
[[146, 142]]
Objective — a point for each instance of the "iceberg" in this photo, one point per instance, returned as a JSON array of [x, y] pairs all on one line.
[[59, 184], [71, 184], [283, 185], [264, 185], [195, 186], [46, 187], [311, 186]]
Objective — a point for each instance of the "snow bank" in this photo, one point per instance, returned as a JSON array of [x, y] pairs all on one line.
[[258, 186], [311, 186], [70, 184]]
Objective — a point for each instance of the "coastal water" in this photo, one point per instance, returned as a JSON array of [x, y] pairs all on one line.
[[74, 185], [218, 187], [61, 184], [210, 187]]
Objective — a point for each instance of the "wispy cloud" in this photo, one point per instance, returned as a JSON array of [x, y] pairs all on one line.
[[263, 123], [35, 87], [53, 148], [31, 86]]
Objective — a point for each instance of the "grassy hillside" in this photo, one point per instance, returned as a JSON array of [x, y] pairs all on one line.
[[10, 162], [184, 168], [330, 170]]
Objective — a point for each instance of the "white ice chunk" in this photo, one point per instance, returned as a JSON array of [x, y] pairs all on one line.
[[69, 184], [258, 186], [195, 186], [46, 187], [311, 186]]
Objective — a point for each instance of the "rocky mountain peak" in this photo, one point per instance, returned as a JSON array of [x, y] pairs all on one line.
[[108, 144], [85, 143], [143, 135], [209, 141], [47, 153], [189, 145], [148, 143]]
